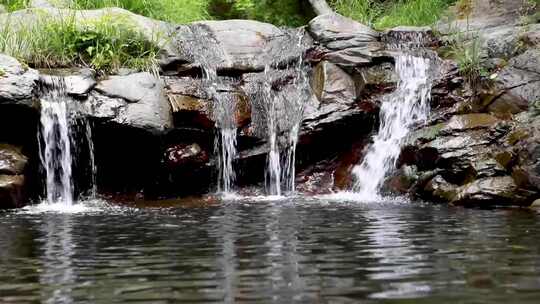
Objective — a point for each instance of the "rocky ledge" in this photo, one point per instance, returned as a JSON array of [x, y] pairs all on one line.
[[154, 134]]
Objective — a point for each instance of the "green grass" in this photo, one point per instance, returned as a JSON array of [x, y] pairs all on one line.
[[105, 44], [178, 11], [13, 5], [386, 14]]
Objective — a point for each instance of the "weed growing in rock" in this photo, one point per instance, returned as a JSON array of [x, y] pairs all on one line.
[[105, 44], [468, 55]]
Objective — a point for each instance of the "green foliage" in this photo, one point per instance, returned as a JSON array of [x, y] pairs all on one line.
[[278, 12], [470, 62], [413, 13], [179, 11], [365, 11], [13, 5], [105, 44]]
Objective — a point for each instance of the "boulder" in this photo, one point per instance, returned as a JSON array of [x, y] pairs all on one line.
[[12, 161], [186, 155], [18, 83], [136, 100], [332, 85], [77, 82], [11, 191], [236, 45], [493, 191], [520, 80], [344, 41], [12, 180]]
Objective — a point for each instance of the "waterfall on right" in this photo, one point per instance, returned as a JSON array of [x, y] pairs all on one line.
[[407, 106]]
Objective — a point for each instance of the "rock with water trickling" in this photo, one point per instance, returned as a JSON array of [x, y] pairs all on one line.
[[18, 83], [236, 45]]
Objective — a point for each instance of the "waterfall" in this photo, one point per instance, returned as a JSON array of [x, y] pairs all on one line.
[[401, 110], [284, 113], [225, 142], [61, 123], [56, 149]]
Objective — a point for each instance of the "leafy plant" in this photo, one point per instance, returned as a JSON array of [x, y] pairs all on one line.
[[105, 44]]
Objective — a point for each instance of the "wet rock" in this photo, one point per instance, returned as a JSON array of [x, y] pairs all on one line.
[[191, 105], [410, 36], [331, 84], [12, 161], [345, 42], [18, 83], [78, 82], [137, 100], [11, 191], [520, 80], [492, 191], [185, 155], [441, 190], [236, 45], [469, 122]]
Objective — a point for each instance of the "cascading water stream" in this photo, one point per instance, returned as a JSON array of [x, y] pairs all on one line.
[[56, 150], [224, 103], [284, 113], [58, 142], [400, 111]]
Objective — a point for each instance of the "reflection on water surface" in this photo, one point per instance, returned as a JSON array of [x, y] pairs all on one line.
[[273, 251]]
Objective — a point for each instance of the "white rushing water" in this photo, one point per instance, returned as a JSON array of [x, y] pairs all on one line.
[[407, 106], [55, 153], [225, 142]]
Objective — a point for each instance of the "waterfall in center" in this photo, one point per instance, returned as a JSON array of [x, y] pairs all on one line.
[[56, 155], [400, 111], [60, 122]]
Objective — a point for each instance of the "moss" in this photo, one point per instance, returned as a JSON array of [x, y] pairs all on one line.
[[2, 72]]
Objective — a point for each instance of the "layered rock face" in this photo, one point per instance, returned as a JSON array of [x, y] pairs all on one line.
[[479, 148]]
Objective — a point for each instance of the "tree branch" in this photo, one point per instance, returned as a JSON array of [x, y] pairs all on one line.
[[321, 7]]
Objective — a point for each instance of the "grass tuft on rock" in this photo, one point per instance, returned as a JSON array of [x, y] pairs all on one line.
[[105, 44]]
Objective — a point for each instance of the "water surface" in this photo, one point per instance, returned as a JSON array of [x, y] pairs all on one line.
[[273, 251]]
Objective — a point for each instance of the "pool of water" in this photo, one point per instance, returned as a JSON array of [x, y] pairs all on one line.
[[294, 250]]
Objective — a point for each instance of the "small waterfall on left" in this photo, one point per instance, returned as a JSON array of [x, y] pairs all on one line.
[[56, 150], [59, 117]]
